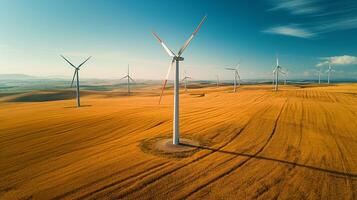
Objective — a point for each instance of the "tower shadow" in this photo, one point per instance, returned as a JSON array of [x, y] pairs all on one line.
[[331, 171]]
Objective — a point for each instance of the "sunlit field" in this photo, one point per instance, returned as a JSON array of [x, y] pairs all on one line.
[[297, 143]]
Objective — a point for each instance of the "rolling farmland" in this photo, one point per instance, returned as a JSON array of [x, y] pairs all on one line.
[[298, 143]]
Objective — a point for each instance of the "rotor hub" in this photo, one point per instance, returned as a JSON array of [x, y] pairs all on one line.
[[179, 58]]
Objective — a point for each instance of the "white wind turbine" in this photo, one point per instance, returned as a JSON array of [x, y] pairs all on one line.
[[286, 76], [176, 58], [319, 74], [236, 76], [129, 79], [185, 79], [329, 72], [276, 71], [76, 75]]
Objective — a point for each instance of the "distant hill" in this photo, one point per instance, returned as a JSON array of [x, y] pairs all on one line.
[[17, 76]]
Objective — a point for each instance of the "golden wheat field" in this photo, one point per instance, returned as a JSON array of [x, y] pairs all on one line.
[[298, 143]]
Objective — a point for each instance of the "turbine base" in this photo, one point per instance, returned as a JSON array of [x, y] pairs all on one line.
[[165, 147]]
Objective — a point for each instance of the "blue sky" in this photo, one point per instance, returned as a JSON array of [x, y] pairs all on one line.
[[305, 34]]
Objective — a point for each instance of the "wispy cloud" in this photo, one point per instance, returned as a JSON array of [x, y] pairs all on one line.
[[321, 16], [290, 30], [337, 24], [337, 60], [297, 7]]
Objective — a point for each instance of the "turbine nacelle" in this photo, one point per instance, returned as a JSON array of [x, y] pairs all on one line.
[[178, 58]]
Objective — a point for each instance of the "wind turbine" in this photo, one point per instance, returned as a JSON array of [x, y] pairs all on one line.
[[176, 58], [286, 76], [185, 81], [319, 74], [128, 80], [329, 72], [76, 75], [236, 76], [276, 71]]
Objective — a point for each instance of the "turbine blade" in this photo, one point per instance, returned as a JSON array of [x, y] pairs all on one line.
[[274, 70], [191, 37], [123, 77], [84, 61], [172, 54], [165, 81], [282, 72], [74, 75], [132, 79], [227, 68], [237, 67], [238, 75], [69, 62]]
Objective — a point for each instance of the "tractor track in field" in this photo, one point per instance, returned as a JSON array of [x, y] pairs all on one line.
[[241, 163], [133, 176], [61, 196], [257, 143], [78, 122], [88, 146], [290, 169], [102, 179], [127, 181], [155, 179], [225, 161], [345, 167]]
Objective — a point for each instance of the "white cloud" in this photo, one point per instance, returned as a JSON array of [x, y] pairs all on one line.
[[297, 7], [290, 30], [320, 16], [337, 24], [338, 60]]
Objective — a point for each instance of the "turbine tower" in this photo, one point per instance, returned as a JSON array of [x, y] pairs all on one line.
[[236, 76], [217, 80], [319, 74], [176, 59], [286, 76], [128, 80], [76, 75], [185, 81], [329, 72], [276, 71]]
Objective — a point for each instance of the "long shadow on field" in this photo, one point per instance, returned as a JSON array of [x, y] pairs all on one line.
[[275, 160]]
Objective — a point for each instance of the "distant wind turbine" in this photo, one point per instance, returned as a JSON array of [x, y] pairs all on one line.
[[185, 81], [286, 76], [76, 75], [217, 80], [176, 59], [329, 72], [319, 74], [128, 80], [276, 71], [236, 76]]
